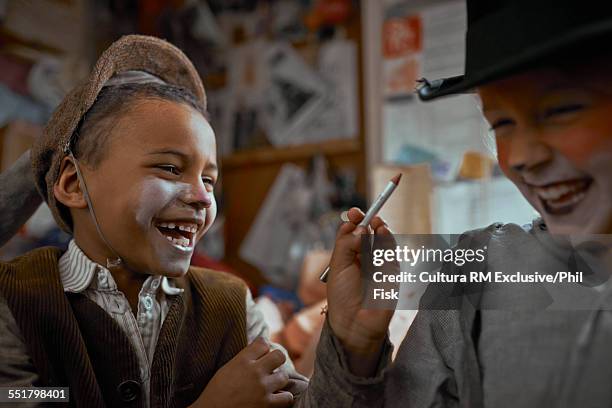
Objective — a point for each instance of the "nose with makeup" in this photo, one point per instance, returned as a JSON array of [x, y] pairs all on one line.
[[527, 153], [196, 195]]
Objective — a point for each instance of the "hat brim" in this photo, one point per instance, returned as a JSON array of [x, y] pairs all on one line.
[[557, 50]]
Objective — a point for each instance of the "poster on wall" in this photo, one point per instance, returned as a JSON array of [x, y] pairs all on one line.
[[294, 94], [424, 43], [402, 46]]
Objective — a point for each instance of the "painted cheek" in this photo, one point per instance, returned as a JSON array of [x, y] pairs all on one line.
[[503, 152], [580, 145], [156, 194]]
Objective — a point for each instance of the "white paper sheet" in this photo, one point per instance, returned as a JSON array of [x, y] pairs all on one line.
[[268, 244], [294, 94], [337, 117]]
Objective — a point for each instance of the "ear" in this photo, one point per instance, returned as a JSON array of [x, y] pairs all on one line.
[[67, 188]]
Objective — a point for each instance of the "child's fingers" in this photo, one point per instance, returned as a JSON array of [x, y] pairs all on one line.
[[346, 247], [271, 361], [257, 349], [281, 399], [276, 381], [383, 230], [384, 239], [346, 228], [348, 240], [355, 215], [377, 222]]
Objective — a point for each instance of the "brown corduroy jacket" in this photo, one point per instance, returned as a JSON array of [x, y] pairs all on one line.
[[74, 343]]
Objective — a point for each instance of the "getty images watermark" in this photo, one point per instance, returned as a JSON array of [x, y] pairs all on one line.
[[524, 271]]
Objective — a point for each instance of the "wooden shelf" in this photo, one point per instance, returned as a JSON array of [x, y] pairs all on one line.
[[270, 154]]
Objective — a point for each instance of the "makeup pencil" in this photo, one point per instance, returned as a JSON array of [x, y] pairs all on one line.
[[373, 210]]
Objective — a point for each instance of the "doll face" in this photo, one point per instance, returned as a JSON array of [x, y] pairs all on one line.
[[553, 131], [153, 192]]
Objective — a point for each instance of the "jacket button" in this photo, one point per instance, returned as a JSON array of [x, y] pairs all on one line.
[[128, 390]]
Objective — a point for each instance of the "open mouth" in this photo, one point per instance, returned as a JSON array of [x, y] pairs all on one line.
[[180, 234], [562, 197]]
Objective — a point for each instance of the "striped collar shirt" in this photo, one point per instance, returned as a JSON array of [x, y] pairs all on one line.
[[79, 274]]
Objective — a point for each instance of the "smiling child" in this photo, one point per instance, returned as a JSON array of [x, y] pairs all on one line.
[[128, 166], [542, 71], [554, 142]]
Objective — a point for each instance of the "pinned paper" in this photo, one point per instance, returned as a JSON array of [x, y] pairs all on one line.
[[337, 117], [294, 95]]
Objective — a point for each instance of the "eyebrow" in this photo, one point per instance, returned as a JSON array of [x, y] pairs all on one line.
[[182, 155]]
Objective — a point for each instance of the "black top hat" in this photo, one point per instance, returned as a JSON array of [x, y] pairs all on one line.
[[506, 36]]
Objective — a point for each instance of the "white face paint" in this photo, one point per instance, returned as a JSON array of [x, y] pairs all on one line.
[[570, 200], [157, 188], [553, 141], [172, 226]]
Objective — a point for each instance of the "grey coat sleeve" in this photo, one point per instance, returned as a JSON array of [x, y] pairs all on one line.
[[422, 374], [332, 384], [18, 197]]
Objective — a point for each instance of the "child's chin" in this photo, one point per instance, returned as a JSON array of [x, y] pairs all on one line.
[[173, 270]]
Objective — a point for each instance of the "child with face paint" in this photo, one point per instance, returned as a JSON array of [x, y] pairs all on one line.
[[127, 165], [543, 73]]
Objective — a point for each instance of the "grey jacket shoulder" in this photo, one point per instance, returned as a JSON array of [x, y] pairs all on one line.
[[437, 363], [508, 232]]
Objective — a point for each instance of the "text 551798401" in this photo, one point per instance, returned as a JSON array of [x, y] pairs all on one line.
[[34, 394]]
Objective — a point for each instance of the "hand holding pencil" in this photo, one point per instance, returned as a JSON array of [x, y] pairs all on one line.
[[373, 210], [361, 331]]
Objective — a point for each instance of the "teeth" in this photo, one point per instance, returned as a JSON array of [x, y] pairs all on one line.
[[187, 228], [184, 242], [191, 228], [569, 201], [557, 191]]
